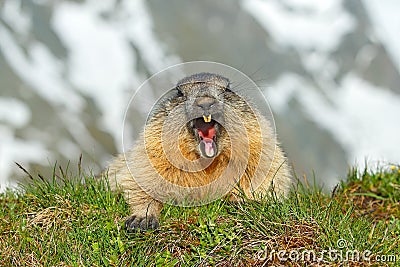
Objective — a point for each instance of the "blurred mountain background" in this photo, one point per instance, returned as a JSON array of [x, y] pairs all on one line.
[[329, 69]]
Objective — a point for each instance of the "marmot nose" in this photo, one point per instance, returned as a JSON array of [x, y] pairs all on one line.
[[205, 102]]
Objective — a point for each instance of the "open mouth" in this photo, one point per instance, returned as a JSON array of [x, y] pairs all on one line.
[[205, 127]]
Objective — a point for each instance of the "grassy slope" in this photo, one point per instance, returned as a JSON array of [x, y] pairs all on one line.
[[69, 223]]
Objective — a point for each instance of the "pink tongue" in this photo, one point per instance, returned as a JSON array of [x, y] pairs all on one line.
[[208, 142], [208, 147]]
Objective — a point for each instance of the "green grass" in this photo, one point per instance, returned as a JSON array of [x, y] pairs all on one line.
[[77, 221]]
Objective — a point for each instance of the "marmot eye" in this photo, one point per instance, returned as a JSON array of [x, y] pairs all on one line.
[[179, 92]]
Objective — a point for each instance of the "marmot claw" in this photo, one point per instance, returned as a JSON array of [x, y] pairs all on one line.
[[136, 223]]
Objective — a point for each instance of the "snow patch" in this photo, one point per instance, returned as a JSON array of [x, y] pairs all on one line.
[[13, 14], [363, 118], [41, 71], [13, 150], [386, 23], [14, 112], [301, 24], [100, 61]]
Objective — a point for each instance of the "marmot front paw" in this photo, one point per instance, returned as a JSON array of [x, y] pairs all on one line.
[[137, 223]]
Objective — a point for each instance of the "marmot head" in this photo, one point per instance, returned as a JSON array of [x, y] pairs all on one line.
[[204, 95]]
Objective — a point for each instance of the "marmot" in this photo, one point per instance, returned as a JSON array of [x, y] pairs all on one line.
[[201, 141]]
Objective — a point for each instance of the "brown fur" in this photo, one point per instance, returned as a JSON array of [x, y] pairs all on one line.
[[250, 147]]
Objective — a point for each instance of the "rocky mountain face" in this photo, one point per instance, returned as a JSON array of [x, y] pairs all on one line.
[[329, 70]]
